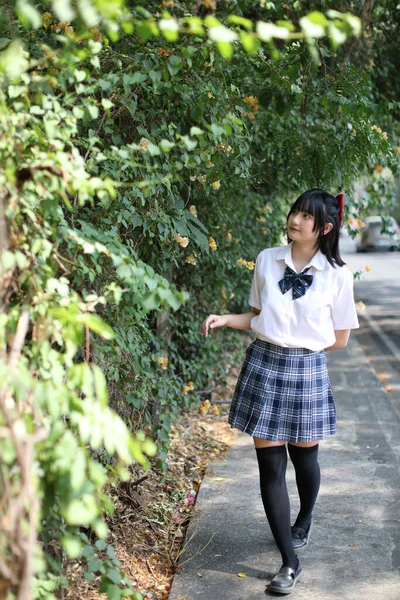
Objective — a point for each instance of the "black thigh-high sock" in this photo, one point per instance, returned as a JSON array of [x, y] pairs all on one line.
[[272, 462], [308, 478]]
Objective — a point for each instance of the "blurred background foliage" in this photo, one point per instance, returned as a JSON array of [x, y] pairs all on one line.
[[148, 154]]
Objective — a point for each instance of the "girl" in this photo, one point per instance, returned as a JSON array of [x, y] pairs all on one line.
[[302, 305]]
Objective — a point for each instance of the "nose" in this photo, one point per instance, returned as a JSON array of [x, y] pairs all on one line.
[[295, 219]]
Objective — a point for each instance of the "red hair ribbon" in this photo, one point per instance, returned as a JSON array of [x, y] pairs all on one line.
[[340, 199]]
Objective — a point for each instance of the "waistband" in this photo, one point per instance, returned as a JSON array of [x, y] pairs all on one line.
[[274, 349]]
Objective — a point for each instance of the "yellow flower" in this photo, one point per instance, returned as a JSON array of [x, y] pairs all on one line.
[[215, 409], [66, 26], [192, 209], [264, 230], [397, 150], [202, 178], [190, 259], [361, 306], [96, 34], [210, 4], [216, 185], [368, 268], [378, 168], [204, 407], [210, 95], [144, 144], [163, 362], [261, 219], [360, 223], [229, 236], [212, 243], [182, 241], [47, 19], [245, 263]]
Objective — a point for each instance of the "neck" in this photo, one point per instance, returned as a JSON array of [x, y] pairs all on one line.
[[301, 255]]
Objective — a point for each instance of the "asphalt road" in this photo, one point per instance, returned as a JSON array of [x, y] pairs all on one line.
[[379, 290]]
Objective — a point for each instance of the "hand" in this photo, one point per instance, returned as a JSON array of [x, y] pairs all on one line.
[[212, 322]]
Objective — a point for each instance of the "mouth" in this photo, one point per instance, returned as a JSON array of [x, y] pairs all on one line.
[[293, 229]]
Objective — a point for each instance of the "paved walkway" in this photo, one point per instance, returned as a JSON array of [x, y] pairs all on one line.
[[354, 550]]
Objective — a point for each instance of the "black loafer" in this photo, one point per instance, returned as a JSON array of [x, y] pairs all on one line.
[[300, 537], [285, 580]]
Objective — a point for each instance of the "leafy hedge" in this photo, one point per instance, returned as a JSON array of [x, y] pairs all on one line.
[[142, 175]]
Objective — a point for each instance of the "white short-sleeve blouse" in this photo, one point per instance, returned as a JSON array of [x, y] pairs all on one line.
[[310, 321]]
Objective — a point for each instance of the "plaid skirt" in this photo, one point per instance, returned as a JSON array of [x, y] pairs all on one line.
[[283, 394]]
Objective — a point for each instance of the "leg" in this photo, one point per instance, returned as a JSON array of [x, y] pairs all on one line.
[[305, 461], [272, 462]]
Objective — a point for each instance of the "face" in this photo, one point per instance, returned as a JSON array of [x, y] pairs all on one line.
[[300, 227]]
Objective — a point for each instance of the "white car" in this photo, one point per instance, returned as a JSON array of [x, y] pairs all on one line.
[[379, 233]]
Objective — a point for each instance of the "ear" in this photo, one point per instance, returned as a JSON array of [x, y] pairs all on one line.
[[327, 228]]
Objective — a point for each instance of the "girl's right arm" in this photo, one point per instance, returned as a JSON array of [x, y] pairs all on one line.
[[234, 321]]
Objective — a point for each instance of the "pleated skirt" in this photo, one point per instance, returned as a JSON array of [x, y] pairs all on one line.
[[283, 394]]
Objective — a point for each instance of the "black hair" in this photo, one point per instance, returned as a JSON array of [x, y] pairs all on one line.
[[325, 209]]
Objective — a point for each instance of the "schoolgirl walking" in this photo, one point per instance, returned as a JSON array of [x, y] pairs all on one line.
[[302, 305]]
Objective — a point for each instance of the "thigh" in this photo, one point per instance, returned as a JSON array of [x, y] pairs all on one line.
[[304, 444], [261, 443]]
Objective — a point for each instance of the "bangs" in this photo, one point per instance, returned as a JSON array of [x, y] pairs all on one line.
[[304, 205], [310, 202]]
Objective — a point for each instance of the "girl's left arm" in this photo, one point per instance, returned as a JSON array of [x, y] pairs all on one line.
[[342, 337]]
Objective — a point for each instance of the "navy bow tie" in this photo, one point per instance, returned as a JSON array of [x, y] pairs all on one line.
[[300, 282]]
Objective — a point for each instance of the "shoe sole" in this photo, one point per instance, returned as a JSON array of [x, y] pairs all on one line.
[[285, 591]]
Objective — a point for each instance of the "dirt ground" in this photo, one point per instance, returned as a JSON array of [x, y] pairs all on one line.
[[154, 509]]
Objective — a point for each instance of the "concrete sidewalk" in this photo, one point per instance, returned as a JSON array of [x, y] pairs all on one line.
[[354, 550]]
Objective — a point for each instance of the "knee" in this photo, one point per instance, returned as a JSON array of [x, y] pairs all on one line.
[[303, 456]]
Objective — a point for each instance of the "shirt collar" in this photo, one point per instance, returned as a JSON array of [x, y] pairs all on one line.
[[318, 261]]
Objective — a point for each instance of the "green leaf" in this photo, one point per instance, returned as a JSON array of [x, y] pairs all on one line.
[[72, 546], [63, 10], [94, 564], [190, 144], [146, 30], [196, 131], [88, 13], [29, 14], [113, 591], [310, 28], [4, 42], [267, 31], [101, 545], [237, 20], [139, 77], [93, 111], [166, 145], [107, 103], [250, 42], [79, 75], [96, 324], [150, 301], [169, 28], [114, 576]]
